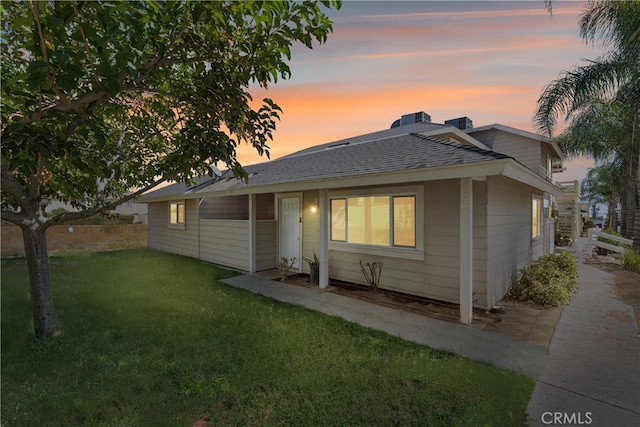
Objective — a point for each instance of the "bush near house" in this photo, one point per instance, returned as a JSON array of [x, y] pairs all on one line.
[[547, 281], [631, 260]]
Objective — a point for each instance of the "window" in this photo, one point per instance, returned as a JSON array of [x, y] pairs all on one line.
[[338, 217], [176, 213], [536, 216], [381, 220]]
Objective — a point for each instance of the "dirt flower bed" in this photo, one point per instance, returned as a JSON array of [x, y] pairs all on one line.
[[523, 321]]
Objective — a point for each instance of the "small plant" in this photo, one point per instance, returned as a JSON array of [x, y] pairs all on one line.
[[312, 261], [314, 268], [631, 260], [547, 281], [371, 272], [285, 265]]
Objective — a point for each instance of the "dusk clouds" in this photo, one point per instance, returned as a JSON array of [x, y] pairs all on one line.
[[485, 60]]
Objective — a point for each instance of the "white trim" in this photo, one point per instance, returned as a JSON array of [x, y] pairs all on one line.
[[278, 197], [413, 253], [177, 225], [383, 251], [466, 250], [323, 247], [538, 197]]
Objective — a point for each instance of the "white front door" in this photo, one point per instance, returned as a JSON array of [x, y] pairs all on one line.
[[290, 221]]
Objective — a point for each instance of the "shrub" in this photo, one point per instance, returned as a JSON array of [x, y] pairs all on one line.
[[547, 281], [631, 260]]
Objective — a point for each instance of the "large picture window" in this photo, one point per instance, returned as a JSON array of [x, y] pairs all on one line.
[[381, 220], [176, 213]]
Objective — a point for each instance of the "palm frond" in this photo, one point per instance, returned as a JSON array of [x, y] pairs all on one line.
[[575, 89], [616, 23]]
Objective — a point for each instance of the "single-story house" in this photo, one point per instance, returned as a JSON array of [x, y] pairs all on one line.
[[452, 211]]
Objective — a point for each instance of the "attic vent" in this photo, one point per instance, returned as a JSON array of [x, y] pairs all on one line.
[[407, 119], [339, 144], [462, 123]]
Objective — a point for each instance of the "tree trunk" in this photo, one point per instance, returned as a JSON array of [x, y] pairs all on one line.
[[623, 212], [636, 200], [611, 212], [628, 210], [44, 316]]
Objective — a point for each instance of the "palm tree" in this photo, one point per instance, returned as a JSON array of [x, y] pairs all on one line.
[[610, 84], [605, 131], [602, 185]]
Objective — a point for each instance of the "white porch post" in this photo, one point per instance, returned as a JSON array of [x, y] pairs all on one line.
[[323, 248], [252, 233], [466, 250]]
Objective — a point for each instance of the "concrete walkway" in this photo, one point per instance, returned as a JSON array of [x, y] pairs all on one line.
[[499, 350], [591, 372]]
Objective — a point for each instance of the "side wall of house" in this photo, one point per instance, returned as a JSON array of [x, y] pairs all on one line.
[[217, 230], [509, 234], [183, 241], [436, 273], [525, 150], [225, 242], [266, 244]]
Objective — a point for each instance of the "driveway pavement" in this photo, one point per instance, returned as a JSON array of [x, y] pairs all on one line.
[[590, 374]]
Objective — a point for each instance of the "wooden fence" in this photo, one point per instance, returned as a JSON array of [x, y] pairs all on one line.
[[592, 240], [66, 238]]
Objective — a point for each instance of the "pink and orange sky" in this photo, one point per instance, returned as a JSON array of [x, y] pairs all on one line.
[[488, 61]]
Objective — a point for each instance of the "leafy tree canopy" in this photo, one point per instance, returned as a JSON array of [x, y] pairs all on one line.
[[101, 97]]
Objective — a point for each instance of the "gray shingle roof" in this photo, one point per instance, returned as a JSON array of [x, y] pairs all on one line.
[[348, 158]]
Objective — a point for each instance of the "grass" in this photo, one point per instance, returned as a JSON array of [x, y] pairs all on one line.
[[152, 339], [631, 260]]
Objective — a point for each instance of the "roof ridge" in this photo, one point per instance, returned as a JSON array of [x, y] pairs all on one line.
[[474, 149]]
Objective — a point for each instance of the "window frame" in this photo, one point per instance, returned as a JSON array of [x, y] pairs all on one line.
[[177, 224], [536, 203], [408, 252]]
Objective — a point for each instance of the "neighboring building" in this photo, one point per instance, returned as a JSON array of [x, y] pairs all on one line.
[[132, 207], [452, 213]]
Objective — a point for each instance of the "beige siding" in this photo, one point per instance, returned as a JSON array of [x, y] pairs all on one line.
[[525, 150], [227, 207], [266, 245], [176, 240], [501, 230], [220, 241], [437, 274], [509, 234], [225, 242]]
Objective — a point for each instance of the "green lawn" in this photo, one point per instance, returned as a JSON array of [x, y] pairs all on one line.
[[152, 339]]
